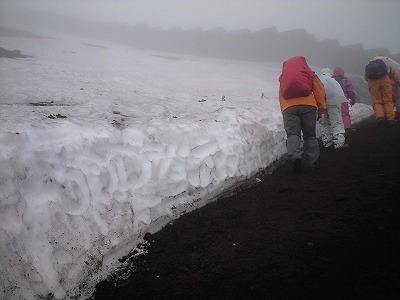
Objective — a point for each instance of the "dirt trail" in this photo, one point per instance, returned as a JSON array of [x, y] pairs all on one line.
[[330, 234]]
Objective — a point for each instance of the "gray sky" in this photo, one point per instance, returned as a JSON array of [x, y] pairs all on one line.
[[373, 23]]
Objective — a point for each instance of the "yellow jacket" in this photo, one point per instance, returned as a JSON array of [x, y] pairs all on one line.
[[316, 98]]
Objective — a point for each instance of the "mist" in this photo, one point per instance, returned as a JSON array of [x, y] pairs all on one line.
[[374, 24]]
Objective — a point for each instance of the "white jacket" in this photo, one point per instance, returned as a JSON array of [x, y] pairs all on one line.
[[333, 90]]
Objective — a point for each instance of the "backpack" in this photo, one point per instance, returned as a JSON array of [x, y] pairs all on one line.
[[296, 78], [376, 69], [342, 84]]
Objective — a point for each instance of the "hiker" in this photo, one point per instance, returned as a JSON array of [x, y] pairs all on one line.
[[395, 81], [348, 89], [380, 87], [332, 128], [302, 101]]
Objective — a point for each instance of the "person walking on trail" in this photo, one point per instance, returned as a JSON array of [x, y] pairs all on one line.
[[380, 87], [395, 81], [302, 102], [332, 128], [348, 89]]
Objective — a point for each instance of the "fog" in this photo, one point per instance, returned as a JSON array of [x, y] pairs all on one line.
[[374, 24]]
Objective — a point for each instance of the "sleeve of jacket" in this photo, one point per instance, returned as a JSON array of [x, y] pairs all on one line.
[[319, 94]]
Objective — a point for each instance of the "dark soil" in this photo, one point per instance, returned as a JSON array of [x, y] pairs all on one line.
[[330, 234]]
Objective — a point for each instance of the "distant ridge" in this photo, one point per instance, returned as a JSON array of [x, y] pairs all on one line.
[[263, 45]]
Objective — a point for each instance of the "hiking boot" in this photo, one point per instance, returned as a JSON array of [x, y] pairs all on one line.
[[311, 168], [330, 147], [350, 130], [344, 146], [297, 168], [380, 122]]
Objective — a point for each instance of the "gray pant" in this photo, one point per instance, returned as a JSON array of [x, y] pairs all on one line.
[[300, 119]]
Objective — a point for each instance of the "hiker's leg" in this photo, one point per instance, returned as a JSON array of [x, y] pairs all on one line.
[[388, 104], [291, 121], [346, 115], [377, 103], [326, 132], [308, 124], [337, 125]]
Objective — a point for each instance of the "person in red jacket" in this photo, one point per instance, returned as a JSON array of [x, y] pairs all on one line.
[[300, 113]]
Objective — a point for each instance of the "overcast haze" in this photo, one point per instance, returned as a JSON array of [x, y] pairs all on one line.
[[373, 23]]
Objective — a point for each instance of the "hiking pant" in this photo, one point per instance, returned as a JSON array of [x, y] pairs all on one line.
[[300, 121], [332, 129], [346, 115], [382, 100]]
